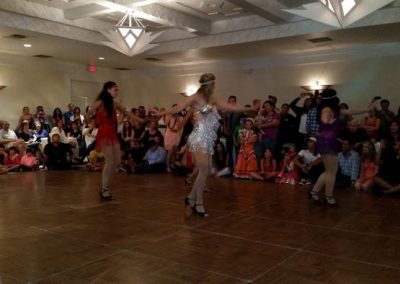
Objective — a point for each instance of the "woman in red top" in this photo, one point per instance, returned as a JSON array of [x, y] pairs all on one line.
[[106, 139]]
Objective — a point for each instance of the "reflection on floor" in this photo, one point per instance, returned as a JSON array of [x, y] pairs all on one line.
[[54, 229]]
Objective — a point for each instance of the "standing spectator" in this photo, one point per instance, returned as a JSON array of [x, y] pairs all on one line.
[[385, 116], [246, 162], [26, 116], [287, 127], [301, 118], [8, 138], [231, 120], [349, 166], [268, 123], [312, 125], [372, 124], [354, 134]]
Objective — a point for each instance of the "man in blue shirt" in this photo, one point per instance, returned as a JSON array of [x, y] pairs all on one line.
[[349, 166], [154, 160]]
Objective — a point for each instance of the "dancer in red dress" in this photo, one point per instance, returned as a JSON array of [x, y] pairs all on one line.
[[106, 139]]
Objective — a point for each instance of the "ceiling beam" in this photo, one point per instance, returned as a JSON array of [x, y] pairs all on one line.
[[270, 10], [85, 11]]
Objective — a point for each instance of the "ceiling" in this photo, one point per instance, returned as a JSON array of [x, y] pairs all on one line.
[[192, 31]]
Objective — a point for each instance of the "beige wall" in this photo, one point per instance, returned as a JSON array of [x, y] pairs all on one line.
[[32, 83]]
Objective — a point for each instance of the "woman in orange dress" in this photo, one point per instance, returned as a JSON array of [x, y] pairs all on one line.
[[246, 162]]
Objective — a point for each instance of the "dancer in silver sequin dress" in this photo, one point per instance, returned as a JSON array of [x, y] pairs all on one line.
[[201, 140]]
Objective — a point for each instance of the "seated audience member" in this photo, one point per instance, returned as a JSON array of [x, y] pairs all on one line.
[[354, 134], [220, 160], [309, 163], [78, 117], [28, 161], [154, 160], [57, 115], [126, 135], [288, 171], [73, 142], [138, 131], [75, 132], [39, 132], [56, 154], [133, 157], [3, 170], [8, 138], [3, 155], [151, 133], [184, 161], [388, 178], [89, 134], [349, 166], [12, 160], [96, 161], [26, 133], [368, 167], [268, 171], [41, 117]]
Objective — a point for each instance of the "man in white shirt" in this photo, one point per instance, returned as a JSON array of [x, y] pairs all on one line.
[[7, 136], [309, 163]]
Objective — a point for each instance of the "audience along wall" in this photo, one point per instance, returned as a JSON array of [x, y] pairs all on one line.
[[356, 81], [32, 83]]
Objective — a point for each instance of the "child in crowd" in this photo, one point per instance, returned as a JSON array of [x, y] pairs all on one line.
[[220, 160], [309, 163], [246, 162], [368, 167], [288, 172], [268, 167], [96, 161], [28, 161], [3, 155], [12, 160]]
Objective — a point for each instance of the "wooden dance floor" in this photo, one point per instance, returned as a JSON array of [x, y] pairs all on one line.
[[54, 229]]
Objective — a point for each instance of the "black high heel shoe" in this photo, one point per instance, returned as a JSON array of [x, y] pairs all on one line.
[[201, 214], [108, 197]]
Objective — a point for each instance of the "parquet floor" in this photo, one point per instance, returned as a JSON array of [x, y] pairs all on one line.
[[54, 229]]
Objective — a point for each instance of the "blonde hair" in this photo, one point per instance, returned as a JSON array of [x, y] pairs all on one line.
[[207, 85]]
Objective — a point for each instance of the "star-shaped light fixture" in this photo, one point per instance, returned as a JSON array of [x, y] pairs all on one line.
[[130, 28], [338, 13]]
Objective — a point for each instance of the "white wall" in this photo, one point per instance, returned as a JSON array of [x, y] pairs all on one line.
[[33, 83]]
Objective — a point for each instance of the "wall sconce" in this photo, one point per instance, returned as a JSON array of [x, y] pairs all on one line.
[[189, 91], [315, 86], [2, 87]]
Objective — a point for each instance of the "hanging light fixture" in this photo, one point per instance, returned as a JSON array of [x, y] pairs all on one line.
[[130, 28]]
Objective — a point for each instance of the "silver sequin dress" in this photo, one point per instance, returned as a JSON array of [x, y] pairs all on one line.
[[204, 134]]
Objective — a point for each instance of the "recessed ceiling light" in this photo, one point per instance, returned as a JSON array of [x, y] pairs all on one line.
[[101, 58], [27, 45]]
